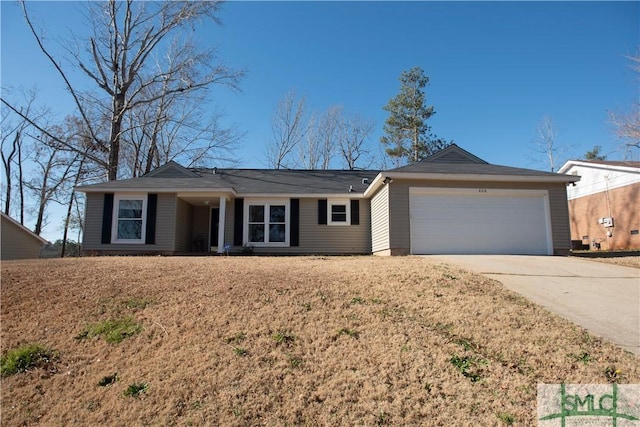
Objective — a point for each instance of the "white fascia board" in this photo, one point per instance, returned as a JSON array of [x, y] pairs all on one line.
[[377, 182], [353, 195], [571, 163], [190, 191], [481, 177]]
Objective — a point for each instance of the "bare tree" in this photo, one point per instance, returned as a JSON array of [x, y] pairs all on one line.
[[119, 62], [353, 138], [289, 126], [322, 138], [627, 125], [546, 144], [12, 136], [53, 167]]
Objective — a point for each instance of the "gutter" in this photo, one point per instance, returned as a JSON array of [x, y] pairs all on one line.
[[379, 180]]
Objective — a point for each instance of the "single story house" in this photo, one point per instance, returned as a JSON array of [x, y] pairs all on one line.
[[452, 202], [604, 207], [18, 242]]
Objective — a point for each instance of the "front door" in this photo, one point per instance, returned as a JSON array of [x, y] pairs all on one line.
[[215, 222]]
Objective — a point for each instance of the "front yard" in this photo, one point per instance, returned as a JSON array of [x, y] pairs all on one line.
[[324, 341]]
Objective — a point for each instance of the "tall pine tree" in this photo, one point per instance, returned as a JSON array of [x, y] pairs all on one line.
[[407, 135]]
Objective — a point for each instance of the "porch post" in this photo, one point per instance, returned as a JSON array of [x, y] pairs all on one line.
[[221, 223]]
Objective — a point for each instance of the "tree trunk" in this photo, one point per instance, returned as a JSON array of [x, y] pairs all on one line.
[[114, 137], [70, 207]]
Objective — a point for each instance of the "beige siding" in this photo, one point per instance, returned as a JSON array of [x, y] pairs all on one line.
[[165, 226], [399, 234], [380, 220], [184, 215], [17, 243], [326, 239]]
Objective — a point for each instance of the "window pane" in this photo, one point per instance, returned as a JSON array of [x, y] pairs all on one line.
[[276, 233], [256, 213], [276, 214], [338, 217], [338, 213], [339, 209], [256, 233], [130, 229], [130, 209]]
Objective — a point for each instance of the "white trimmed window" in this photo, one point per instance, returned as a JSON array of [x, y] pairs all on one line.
[[338, 212], [267, 222], [129, 219]]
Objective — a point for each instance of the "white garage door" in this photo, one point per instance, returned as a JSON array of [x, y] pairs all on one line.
[[479, 221]]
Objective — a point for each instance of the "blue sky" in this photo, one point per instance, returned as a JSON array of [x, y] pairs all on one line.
[[495, 68]]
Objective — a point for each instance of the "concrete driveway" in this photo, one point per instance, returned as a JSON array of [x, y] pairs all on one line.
[[602, 298]]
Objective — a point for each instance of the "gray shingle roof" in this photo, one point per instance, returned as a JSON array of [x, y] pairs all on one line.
[[172, 177], [250, 181]]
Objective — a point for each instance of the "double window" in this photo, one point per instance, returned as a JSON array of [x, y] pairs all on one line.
[[267, 222], [130, 212]]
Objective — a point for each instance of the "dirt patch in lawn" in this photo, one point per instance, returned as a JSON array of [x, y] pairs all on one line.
[[321, 341]]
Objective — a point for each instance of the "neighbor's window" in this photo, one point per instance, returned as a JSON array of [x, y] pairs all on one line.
[[339, 212], [267, 223], [129, 219]]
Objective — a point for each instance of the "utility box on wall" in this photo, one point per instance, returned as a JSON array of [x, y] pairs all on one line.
[[606, 222]]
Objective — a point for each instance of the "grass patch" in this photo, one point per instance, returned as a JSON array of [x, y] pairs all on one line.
[[240, 351], [236, 339], [294, 361], [357, 300], [23, 358], [468, 366], [284, 337], [506, 418], [583, 357], [108, 380], [350, 332], [112, 330], [135, 389]]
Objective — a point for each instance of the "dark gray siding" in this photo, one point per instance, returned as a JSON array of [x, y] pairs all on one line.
[[400, 234], [184, 214], [201, 216]]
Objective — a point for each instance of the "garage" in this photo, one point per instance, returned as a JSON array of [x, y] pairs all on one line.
[[479, 221]]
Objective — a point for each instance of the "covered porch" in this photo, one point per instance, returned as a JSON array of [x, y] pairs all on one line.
[[205, 223]]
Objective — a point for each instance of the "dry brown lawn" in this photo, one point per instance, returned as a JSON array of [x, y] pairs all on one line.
[[627, 261], [316, 341]]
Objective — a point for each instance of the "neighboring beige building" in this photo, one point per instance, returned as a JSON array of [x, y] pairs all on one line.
[[17, 241], [604, 206]]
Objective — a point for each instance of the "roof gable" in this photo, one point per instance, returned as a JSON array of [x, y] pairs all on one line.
[[454, 154], [454, 163], [171, 170]]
